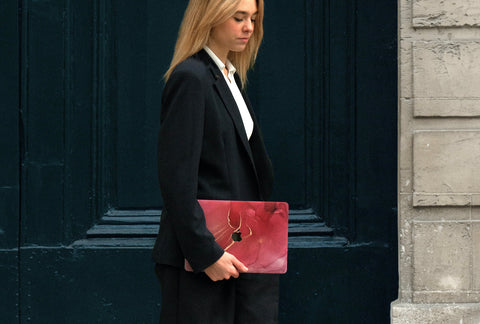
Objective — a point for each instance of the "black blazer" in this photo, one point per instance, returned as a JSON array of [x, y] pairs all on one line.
[[203, 153]]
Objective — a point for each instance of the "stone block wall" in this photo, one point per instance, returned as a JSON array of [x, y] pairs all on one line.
[[439, 162]]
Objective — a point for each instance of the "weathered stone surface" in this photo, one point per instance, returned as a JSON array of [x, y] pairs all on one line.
[[435, 13], [447, 107], [403, 313], [439, 162], [406, 129], [420, 199], [444, 297], [446, 76], [442, 256], [444, 214], [405, 248], [446, 168], [476, 255], [475, 213]]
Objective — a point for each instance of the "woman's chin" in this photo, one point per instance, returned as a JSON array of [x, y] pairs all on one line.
[[239, 48]]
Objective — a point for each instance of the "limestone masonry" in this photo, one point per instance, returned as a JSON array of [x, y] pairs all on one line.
[[439, 162]]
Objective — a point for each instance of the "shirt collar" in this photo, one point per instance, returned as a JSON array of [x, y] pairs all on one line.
[[231, 69]]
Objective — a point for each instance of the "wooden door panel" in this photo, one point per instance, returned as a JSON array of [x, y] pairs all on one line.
[[277, 90]]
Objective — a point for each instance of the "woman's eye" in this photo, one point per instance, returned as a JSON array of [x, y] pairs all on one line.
[[242, 19]]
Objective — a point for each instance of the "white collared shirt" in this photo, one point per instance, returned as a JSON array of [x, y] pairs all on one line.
[[237, 95]]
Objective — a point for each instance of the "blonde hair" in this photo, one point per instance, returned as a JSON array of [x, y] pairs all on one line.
[[199, 19]]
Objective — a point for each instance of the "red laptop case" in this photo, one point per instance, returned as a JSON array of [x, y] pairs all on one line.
[[255, 232]]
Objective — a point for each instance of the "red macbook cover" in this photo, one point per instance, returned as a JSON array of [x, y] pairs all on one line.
[[255, 232]]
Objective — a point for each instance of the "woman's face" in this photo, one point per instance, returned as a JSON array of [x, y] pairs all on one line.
[[234, 34]]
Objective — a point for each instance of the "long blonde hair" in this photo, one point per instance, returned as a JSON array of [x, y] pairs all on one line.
[[199, 19]]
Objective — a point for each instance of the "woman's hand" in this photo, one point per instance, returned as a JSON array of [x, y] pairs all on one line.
[[226, 267]]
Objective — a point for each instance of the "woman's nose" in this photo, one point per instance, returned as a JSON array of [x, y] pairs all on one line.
[[248, 25]]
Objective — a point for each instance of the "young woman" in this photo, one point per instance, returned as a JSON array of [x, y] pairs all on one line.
[[210, 147]]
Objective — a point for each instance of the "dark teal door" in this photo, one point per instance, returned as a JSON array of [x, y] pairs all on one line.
[[9, 162], [81, 88]]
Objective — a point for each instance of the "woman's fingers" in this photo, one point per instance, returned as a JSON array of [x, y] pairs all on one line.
[[226, 267], [238, 265]]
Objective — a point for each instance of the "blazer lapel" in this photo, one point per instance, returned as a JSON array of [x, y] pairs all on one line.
[[227, 98], [247, 102], [262, 161], [231, 106], [232, 109]]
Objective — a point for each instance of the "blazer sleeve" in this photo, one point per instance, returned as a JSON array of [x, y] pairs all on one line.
[[179, 150]]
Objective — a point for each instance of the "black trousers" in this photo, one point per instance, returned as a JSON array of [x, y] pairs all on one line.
[[193, 298]]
